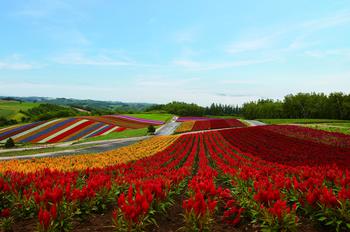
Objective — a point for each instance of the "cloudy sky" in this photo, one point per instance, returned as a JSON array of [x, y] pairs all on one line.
[[159, 51]]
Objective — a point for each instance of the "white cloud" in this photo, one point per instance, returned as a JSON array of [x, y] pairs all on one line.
[[345, 52], [15, 66], [330, 21], [186, 35], [249, 45], [43, 9], [15, 62], [202, 66], [78, 58], [162, 81], [300, 31], [238, 82], [188, 64]]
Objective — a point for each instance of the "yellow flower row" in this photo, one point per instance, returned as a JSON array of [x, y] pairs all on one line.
[[185, 127], [136, 151]]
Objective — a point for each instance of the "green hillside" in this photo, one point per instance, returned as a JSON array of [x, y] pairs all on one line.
[[161, 117], [10, 109]]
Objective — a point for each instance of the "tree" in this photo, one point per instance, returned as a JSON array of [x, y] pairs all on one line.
[[9, 143], [301, 105], [151, 129]]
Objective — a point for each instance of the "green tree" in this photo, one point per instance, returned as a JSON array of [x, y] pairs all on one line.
[[9, 143], [151, 129]]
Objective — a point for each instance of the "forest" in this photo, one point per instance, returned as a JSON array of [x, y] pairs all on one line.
[[302, 105]]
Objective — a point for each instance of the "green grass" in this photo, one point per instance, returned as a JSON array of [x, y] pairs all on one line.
[[339, 124], [39, 151], [161, 117], [222, 116], [10, 109], [300, 121], [118, 135], [331, 127]]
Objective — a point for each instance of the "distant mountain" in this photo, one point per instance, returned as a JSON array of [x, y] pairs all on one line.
[[87, 104]]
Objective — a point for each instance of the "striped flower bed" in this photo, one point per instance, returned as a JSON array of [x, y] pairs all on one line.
[[69, 129], [185, 119], [212, 123]]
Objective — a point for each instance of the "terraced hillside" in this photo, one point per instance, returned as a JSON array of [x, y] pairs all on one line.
[[69, 129]]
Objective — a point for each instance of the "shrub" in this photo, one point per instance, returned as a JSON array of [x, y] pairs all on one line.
[[151, 129], [9, 143]]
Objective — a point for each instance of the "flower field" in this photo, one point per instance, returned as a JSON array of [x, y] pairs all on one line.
[[207, 124], [185, 119], [70, 129], [254, 178], [185, 127]]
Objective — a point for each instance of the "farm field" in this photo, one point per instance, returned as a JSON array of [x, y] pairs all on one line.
[[129, 133], [279, 178], [300, 121], [159, 117], [332, 127], [75, 128], [197, 124], [11, 109]]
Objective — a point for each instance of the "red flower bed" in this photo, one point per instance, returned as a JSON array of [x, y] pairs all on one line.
[[283, 149], [320, 136], [244, 175], [216, 124]]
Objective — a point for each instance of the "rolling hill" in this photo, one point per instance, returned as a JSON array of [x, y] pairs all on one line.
[[11, 109], [73, 128]]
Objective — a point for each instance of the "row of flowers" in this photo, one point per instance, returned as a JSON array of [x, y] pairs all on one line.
[[213, 123], [136, 151], [319, 136], [185, 127], [266, 195], [245, 176], [135, 190]]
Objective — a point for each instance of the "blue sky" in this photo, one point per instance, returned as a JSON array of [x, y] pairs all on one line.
[[158, 51]]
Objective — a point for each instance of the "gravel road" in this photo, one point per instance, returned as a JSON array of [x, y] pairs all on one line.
[[168, 128], [255, 123]]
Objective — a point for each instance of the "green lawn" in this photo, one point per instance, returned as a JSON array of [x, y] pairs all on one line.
[[10, 109], [332, 127], [300, 121], [119, 135], [340, 124], [39, 151], [161, 117]]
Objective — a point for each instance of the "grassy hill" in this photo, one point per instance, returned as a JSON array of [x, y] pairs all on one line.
[[160, 117], [10, 109], [300, 121]]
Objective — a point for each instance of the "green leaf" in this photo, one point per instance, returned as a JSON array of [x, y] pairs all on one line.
[[329, 223]]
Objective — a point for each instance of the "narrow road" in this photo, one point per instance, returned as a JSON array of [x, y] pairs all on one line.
[[168, 128], [96, 147], [255, 123]]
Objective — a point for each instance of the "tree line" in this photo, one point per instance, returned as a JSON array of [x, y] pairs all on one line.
[[191, 109], [49, 111], [302, 105]]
